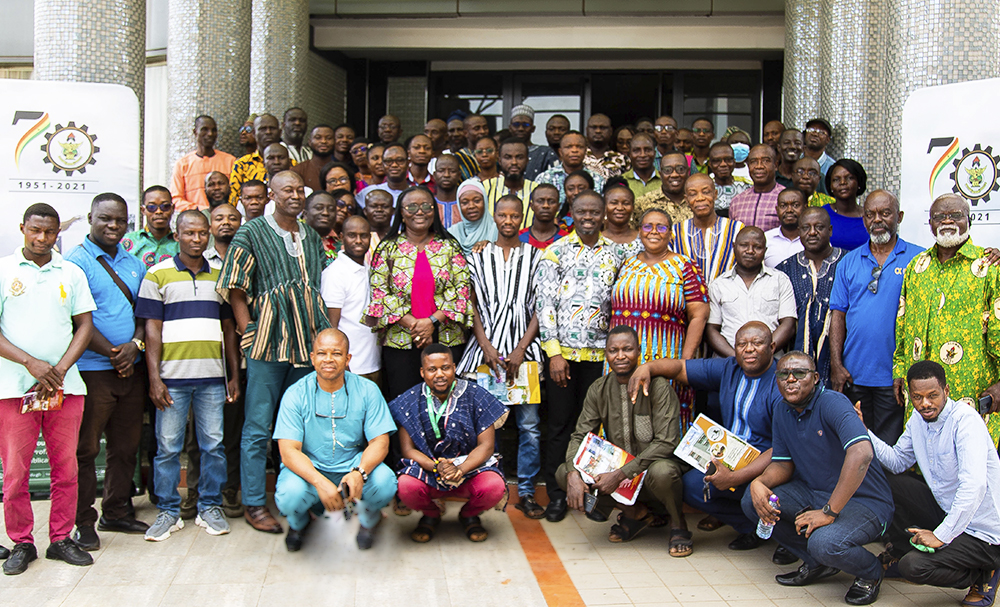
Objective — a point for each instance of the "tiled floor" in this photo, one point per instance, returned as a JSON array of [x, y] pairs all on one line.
[[524, 563]]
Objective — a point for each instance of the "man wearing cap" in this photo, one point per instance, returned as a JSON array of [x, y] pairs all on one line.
[[521, 126], [815, 138]]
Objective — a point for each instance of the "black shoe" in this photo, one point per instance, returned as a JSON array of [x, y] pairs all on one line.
[[863, 592], [66, 551], [87, 539], [597, 516], [782, 556], [556, 510], [126, 524], [293, 541], [20, 556], [745, 541], [4, 553], [366, 537], [805, 575]]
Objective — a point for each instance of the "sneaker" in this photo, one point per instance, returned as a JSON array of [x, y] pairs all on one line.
[[189, 507], [213, 520], [231, 504], [164, 525]]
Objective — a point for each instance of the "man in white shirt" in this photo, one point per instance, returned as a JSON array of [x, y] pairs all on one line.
[[956, 513], [346, 291], [750, 291], [783, 241]]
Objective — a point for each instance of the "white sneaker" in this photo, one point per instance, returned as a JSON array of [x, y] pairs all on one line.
[[163, 526], [213, 520]]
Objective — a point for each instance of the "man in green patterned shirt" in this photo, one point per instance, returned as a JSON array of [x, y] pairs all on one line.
[[949, 311]]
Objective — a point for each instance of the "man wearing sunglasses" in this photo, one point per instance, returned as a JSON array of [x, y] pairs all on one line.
[[949, 311], [155, 242], [674, 171], [863, 305], [822, 454]]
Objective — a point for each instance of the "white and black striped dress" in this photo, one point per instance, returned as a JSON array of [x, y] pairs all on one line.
[[505, 292]]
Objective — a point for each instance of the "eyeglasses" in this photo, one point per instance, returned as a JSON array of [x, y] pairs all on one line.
[[648, 227], [659, 128], [520, 125], [702, 131], [485, 151], [956, 217], [876, 274], [393, 160], [166, 207], [412, 208], [342, 204], [361, 149], [809, 172], [816, 130], [338, 180], [680, 169], [798, 374], [246, 130]]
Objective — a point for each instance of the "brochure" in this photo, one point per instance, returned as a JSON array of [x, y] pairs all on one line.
[[524, 391], [597, 456], [706, 440]]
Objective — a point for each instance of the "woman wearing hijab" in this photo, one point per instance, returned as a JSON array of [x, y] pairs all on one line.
[[477, 225]]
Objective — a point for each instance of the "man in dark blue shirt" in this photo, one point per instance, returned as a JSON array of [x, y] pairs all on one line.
[[831, 502], [748, 395]]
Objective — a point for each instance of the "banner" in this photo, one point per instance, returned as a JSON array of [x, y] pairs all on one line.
[[951, 144], [62, 143]]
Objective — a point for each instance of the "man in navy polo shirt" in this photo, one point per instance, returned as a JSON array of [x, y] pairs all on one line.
[[116, 392], [831, 501], [748, 395], [863, 301]]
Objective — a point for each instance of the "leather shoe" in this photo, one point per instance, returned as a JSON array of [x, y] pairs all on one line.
[[556, 510], [260, 518], [4, 553], [65, 550], [745, 541], [294, 539], [20, 556], [87, 539], [782, 556], [805, 575], [125, 524], [863, 592]]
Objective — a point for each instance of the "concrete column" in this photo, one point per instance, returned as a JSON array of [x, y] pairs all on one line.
[[209, 71], [279, 57], [802, 62]]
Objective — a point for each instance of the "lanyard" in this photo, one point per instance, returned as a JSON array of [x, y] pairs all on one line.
[[435, 413]]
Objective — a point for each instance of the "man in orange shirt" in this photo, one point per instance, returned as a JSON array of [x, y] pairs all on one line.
[[187, 186]]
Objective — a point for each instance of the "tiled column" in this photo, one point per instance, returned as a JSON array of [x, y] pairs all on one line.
[[280, 55], [209, 70], [802, 62]]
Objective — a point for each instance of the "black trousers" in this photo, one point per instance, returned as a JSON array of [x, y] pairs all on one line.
[[963, 562], [883, 415], [564, 406]]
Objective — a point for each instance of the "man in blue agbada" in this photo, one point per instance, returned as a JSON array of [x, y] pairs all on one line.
[[333, 431]]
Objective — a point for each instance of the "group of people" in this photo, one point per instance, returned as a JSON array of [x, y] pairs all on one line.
[[347, 310]]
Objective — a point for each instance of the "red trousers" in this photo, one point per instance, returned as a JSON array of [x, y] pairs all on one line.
[[18, 436], [483, 492]]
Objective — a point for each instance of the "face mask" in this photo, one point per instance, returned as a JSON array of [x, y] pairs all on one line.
[[740, 151]]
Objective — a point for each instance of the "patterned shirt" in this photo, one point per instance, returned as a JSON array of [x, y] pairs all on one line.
[[573, 297], [497, 189], [148, 249], [467, 163], [540, 158], [725, 193], [610, 164], [679, 212], [712, 250], [639, 187], [247, 168], [526, 236], [819, 199], [758, 209], [391, 281], [556, 175], [950, 312]]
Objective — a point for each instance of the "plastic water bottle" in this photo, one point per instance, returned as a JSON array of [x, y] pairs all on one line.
[[764, 529]]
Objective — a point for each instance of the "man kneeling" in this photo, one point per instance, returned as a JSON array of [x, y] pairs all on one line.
[[324, 422], [648, 429], [447, 441]]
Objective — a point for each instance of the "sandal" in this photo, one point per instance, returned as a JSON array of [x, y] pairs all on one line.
[[399, 508], [530, 507], [681, 544], [626, 529], [659, 520], [425, 529], [710, 523], [473, 528]]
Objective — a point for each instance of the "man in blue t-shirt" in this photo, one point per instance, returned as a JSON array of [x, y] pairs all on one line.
[[830, 500], [748, 395]]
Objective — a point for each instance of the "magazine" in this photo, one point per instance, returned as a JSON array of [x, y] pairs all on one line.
[[706, 440], [597, 456], [524, 391]]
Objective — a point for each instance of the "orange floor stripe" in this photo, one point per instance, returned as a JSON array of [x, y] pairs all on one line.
[[556, 585]]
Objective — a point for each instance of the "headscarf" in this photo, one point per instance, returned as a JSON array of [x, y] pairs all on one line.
[[467, 232]]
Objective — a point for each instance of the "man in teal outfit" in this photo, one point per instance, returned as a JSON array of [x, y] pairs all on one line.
[[325, 421], [155, 242]]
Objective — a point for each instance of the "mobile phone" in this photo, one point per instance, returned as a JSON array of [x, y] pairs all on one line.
[[985, 403], [589, 502]]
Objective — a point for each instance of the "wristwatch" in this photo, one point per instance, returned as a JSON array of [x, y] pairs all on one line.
[[139, 344], [361, 471], [827, 510], [434, 320]]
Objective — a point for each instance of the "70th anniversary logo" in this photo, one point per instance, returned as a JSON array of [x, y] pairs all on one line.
[[973, 172], [68, 148]]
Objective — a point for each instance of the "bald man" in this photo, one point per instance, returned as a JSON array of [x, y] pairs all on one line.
[[352, 472]]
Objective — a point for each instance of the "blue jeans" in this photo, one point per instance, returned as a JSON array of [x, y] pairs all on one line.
[[266, 382], [207, 402], [723, 505], [295, 497], [840, 544], [529, 448]]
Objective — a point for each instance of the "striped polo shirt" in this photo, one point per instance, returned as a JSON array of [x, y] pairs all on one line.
[[192, 313]]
